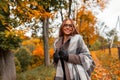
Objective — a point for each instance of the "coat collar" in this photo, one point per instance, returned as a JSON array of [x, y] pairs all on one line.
[[60, 43]]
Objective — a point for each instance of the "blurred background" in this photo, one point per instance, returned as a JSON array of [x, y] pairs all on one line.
[[28, 29]]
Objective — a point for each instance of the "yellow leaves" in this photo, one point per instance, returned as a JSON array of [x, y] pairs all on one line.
[[30, 9], [20, 10], [12, 33], [34, 41], [20, 33], [1, 17], [4, 6], [34, 3], [7, 33], [2, 20]]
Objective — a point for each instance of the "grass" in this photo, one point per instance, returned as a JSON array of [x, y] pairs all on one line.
[[40, 73]]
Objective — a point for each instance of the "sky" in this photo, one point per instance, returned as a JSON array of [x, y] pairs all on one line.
[[110, 13]]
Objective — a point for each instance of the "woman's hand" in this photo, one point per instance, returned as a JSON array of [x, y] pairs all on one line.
[[63, 54], [56, 57]]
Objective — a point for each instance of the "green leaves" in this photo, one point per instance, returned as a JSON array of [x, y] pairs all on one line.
[[9, 40]]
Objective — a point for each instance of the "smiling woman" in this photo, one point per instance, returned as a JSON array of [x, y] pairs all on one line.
[[67, 26], [72, 57], [67, 29]]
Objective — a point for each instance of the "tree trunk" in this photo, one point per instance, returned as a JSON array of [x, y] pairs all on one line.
[[45, 40], [70, 4], [109, 49], [7, 65], [88, 45], [61, 14], [119, 52]]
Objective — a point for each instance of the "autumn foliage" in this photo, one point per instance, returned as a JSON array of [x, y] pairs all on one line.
[[107, 67], [86, 25], [40, 52]]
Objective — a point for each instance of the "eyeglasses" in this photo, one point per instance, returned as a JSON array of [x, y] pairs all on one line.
[[70, 25]]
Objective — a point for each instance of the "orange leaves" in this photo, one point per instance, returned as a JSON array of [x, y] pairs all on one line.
[[34, 41], [86, 25], [39, 51], [99, 73], [30, 9], [102, 3], [107, 67], [34, 3]]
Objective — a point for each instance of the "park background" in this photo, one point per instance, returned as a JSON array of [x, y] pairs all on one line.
[[28, 29]]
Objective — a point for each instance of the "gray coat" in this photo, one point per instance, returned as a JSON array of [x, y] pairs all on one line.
[[80, 63]]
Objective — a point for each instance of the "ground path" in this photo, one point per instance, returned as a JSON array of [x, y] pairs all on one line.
[[100, 73]]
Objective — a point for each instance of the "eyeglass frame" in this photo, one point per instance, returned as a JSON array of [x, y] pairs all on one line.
[[66, 25]]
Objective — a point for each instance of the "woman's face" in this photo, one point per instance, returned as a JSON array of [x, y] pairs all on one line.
[[68, 28]]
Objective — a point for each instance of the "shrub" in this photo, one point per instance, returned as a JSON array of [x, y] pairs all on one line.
[[17, 64], [24, 56]]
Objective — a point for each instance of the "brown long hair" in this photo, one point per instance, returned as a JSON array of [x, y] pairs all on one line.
[[61, 34]]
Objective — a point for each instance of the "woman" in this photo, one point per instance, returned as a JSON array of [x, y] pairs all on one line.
[[72, 57]]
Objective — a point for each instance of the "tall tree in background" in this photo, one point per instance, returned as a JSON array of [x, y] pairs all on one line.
[[86, 19], [109, 36], [26, 11], [86, 24], [70, 4]]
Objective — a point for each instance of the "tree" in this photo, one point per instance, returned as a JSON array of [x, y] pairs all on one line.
[[8, 40], [86, 22], [70, 4], [47, 5], [110, 36], [86, 19], [26, 11]]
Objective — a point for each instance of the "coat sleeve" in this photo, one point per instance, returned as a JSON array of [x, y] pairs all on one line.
[[81, 49]]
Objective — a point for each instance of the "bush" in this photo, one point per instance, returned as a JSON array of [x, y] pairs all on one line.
[[36, 61], [24, 56], [96, 46], [18, 65]]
